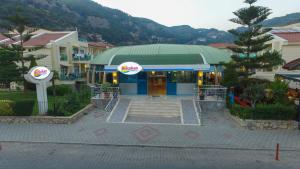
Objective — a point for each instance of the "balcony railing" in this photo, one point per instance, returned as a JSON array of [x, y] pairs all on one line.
[[72, 76], [81, 57], [63, 57]]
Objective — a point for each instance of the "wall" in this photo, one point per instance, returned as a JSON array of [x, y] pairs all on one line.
[[128, 88], [290, 52], [185, 88]]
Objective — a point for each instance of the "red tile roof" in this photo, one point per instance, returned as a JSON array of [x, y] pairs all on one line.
[[100, 44], [2, 37], [289, 36], [292, 65], [44, 39], [222, 45]]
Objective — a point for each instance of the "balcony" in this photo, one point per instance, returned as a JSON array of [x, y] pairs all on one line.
[[63, 57], [72, 76], [81, 57]]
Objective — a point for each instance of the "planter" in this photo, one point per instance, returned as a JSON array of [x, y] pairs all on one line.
[[265, 124], [47, 119]]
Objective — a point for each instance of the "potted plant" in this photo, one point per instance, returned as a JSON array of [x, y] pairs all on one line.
[[105, 89]]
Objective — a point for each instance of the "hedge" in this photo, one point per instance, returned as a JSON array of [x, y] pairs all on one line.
[[6, 108], [16, 108], [23, 107], [61, 90], [265, 112]]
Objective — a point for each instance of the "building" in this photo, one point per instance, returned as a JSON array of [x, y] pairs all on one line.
[[63, 51], [223, 46], [166, 69], [287, 42]]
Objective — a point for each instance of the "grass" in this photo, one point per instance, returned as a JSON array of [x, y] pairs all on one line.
[[19, 95]]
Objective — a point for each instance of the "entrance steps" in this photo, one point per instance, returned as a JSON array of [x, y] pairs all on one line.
[[154, 108]]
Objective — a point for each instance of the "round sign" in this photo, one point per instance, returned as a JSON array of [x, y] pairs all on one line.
[[130, 68], [40, 73]]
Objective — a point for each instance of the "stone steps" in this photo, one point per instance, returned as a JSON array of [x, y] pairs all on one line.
[[154, 108]]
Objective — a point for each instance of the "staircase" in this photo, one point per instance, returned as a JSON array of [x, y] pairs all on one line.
[[154, 108]]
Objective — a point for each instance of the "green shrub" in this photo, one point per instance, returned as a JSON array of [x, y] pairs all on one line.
[[265, 112], [241, 112], [6, 108], [23, 107], [66, 107], [61, 90]]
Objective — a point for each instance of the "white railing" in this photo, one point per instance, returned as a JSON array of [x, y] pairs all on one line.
[[210, 93]]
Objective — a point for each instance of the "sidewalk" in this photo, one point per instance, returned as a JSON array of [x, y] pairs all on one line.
[[218, 132]]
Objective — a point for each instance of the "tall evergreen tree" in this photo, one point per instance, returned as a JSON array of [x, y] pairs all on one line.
[[9, 70], [251, 51]]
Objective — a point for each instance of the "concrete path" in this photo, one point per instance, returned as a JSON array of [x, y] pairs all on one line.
[[189, 114], [118, 114], [58, 156], [218, 132]]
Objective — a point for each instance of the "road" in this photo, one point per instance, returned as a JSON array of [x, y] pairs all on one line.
[[75, 156]]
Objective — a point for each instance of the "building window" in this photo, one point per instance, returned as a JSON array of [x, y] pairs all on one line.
[[182, 77]]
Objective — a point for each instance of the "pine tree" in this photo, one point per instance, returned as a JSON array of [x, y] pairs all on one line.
[[9, 70], [251, 51]]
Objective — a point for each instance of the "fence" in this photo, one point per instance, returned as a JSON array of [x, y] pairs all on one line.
[[105, 99], [210, 93]]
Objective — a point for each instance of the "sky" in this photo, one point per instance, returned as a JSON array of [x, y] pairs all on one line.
[[196, 13]]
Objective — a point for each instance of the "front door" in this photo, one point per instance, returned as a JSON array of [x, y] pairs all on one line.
[[157, 85]]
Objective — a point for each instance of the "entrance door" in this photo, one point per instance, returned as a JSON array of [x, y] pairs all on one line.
[[157, 85]]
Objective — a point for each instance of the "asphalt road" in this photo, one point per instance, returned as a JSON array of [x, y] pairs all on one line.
[[72, 156]]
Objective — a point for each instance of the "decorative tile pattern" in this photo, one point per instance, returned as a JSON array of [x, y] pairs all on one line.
[[145, 134], [227, 136], [100, 132], [81, 130], [191, 135], [97, 115]]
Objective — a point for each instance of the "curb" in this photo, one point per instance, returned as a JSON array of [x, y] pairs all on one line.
[[219, 147]]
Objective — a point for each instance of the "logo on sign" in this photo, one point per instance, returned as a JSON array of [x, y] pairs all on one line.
[[129, 68], [40, 73]]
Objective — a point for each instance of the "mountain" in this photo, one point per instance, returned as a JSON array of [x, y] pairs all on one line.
[[96, 22], [283, 20]]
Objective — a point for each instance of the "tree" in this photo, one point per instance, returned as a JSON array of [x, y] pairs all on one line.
[[231, 76], [251, 49], [279, 90], [9, 70], [254, 93], [17, 25]]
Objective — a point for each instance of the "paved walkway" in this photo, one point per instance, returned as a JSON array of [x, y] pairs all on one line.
[[189, 114], [218, 131], [118, 114], [58, 156]]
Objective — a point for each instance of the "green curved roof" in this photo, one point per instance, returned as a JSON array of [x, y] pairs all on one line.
[[162, 54]]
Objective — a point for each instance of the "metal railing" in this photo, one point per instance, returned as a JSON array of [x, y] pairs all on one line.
[[72, 76], [113, 101], [63, 57], [81, 57], [210, 93]]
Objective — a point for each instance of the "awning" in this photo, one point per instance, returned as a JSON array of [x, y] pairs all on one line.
[[147, 68], [293, 65], [293, 76]]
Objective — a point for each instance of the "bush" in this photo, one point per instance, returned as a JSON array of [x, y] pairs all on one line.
[[23, 107], [241, 112], [61, 90], [6, 108], [265, 112], [66, 107]]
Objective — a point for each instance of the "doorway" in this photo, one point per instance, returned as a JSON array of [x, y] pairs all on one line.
[[157, 84]]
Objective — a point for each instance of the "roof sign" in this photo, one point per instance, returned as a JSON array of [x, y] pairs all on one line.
[[130, 68]]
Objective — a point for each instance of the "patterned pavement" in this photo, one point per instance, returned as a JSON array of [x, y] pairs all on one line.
[[69, 156], [218, 131]]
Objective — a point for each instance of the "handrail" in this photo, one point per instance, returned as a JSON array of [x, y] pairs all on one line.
[[112, 102]]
